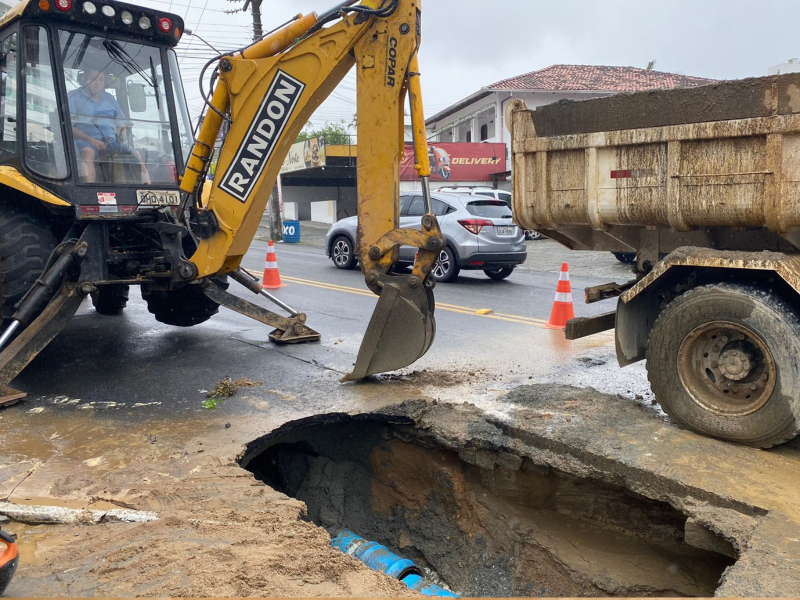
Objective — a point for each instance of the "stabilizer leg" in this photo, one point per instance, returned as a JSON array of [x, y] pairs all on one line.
[[287, 330], [25, 347]]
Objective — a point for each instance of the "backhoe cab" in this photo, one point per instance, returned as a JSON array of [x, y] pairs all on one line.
[[103, 181]]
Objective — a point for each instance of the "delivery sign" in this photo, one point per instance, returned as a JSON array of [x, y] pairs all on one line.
[[458, 161]]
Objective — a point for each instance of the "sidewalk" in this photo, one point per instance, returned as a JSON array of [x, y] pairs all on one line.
[[311, 232]]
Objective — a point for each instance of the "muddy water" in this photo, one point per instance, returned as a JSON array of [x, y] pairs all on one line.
[[512, 529]]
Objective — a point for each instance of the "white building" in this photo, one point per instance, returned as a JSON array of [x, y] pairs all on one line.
[[791, 66], [480, 117]]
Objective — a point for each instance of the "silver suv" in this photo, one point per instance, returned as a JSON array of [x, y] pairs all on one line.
[[489, 193], [479, 232]]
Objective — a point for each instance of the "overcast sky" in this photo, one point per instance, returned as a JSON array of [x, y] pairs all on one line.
[[468, 44]]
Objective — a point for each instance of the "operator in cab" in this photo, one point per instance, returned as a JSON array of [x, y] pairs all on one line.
[[96, 116]]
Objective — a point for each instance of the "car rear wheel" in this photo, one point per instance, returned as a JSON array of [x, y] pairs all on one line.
[[445, 269], [343, 253], [499, 273]]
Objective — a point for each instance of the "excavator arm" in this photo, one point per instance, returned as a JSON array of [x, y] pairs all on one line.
[[268, 92]]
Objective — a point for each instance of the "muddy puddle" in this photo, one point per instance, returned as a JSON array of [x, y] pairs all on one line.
[[486, 523]]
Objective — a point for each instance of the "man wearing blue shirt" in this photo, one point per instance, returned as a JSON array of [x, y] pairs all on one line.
[[94, 112]]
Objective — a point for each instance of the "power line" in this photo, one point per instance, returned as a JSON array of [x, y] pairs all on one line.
[[171, 4], [199, 19]]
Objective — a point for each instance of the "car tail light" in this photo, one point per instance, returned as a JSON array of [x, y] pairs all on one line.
[[63, 5], [475, 225], [165, 25]]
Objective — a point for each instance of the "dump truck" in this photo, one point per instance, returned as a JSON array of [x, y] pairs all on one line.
[[103, 178], [703, 185]]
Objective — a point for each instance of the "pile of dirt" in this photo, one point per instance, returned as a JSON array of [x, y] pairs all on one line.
[[440, 378], [220, 534]]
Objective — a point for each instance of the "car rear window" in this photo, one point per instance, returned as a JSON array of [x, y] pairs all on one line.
[[489, 208]]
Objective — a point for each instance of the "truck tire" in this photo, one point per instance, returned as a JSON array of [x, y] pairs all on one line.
[[625, 257], [25, 245], [185, 307], [722, 361], [111, 299]]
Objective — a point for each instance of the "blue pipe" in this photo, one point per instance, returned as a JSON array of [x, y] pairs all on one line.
[[380, 558], [415, 582]]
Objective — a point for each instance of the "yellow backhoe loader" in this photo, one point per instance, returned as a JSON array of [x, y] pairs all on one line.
[[103, 179]]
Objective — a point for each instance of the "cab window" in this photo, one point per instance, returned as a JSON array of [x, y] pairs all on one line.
[[44, 139], [118, 112], [184, 122], [8, 96]]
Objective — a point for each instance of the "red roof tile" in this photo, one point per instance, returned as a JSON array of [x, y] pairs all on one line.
[[598, 78]]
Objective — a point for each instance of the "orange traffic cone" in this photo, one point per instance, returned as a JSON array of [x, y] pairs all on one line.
[[562, 305], [272, 277]]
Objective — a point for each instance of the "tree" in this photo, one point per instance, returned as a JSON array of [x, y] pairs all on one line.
[[651, 66], [334, 133]]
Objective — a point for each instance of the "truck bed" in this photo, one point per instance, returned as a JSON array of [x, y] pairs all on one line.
[[716, 166]]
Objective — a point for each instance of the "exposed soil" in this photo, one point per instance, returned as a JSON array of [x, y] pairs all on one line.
[[563, 491], [501, 526], [220, 534], [436, 377]]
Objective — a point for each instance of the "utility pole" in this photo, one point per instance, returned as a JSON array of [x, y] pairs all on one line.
[[273, 205]]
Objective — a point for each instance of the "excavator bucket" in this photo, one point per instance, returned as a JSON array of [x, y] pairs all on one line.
[[400, 331]]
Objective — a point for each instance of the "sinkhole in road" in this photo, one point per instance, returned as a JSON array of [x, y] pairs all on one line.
[[486, 523]]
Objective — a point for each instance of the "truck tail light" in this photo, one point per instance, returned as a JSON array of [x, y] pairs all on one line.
[[165, 25], [63, 5], [475, 225]]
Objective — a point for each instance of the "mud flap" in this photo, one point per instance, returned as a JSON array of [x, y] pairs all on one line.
[[401, 329]]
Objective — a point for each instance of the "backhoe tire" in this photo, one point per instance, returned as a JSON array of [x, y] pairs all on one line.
[[25, 245], [722, 361], [185, 307], [111, 299]]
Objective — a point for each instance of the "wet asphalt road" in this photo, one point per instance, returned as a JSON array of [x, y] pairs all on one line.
[[114, 364]]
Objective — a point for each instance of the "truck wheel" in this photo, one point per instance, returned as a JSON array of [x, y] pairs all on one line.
[[25, 245], [111, 299], [722, 361], [625, 257], [185, 307]]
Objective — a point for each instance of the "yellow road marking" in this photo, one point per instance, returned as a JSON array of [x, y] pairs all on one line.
[[463, 310], [438, 304]]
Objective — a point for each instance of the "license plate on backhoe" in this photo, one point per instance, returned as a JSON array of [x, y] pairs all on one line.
[[158, 197]]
